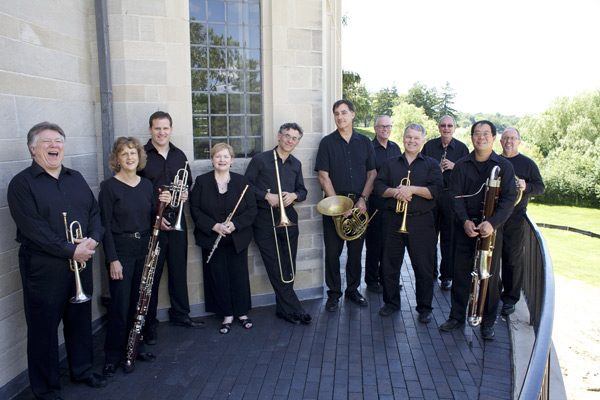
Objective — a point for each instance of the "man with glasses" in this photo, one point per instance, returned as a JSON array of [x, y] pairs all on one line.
[[530, 183], [384, 150], [468, 192], [346, 166], [276, 243], [446, 150]]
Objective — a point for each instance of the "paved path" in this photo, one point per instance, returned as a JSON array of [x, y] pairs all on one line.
[[349, 354]]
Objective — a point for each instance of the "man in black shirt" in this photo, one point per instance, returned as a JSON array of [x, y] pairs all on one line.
[[278, 250], [37, 197], [417, 194], [164, 161], [385, 149], [467, 191], [446, 150], [346, 166], [529, 183]]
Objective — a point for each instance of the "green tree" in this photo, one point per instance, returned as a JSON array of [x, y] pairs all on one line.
[[405, 113], [446, 102], [424, 97], [354, 90], [385, 100]]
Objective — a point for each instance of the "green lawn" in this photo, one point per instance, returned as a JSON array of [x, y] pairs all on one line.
[[574, 256]]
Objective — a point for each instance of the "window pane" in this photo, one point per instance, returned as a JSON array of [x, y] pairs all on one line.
[[218, 57], [218, 104], [253, 38], [254, 82], [253, 14], [254, 125], [217, 80], [197, 33], [200, 103], [235, 126], [216, 10], [200, 127], [236, 81], [201, 149], [198, 56], [238, 147], [216, 34], [253, 59], [218, 127], [235, 104], [235, 58], [255, 104], [197, 10], [235, 35], [254, 146], [199, 80], [234, 13]]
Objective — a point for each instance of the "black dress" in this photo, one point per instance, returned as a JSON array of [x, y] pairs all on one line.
[[226, 281]]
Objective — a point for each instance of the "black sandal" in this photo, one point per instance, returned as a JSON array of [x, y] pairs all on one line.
[[225, 328], [245, 322]]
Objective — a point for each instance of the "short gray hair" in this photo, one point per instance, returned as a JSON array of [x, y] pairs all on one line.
[[40, 127], [415, 127]]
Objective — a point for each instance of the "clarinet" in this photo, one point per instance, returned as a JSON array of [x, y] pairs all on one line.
[[135, 334], [484, 248]]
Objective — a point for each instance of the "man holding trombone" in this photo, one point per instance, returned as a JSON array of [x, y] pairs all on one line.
[[53, 243], [409, 183], [276, 179]]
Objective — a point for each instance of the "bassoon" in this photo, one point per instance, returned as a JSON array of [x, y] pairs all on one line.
[[139, 318], [484, 248]]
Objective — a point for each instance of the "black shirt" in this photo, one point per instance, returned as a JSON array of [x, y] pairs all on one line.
[[424, 171], [383, 154], [454, 152], [37, 201], [346, 162], [467, 178], [261, 174], [125, 209], [162, 171], [525, 168]]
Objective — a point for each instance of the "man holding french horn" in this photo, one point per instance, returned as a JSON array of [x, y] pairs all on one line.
[[276, 179], [346, 167], [58, 227], [409, 184]]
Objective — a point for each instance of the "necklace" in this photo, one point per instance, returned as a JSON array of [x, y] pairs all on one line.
[[222, 183]]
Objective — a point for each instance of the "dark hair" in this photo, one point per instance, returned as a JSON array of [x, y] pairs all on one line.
[[484, 122], [160, 115], [132, 143], [42, 126], [343, 101], [291, 125]]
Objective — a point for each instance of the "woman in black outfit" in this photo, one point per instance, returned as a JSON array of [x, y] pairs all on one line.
[[226, 281], [128, 207]]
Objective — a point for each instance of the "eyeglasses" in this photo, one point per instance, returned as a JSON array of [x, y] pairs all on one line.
[[291, 138], [482, 134], [384, 126], [446, 126]]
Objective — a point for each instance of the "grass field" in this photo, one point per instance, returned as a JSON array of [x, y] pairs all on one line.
[[574, 256]]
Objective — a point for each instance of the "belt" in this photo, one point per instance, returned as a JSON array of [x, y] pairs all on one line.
[[134, 235], [351, 196]]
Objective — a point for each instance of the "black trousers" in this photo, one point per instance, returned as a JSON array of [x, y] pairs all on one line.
[[333, 250], [421, 243], [464, 257], [48, 285], [124, 295], [374, 243], [226, 281], [173, 250], [287, 301], [513, 259], [444, 226]]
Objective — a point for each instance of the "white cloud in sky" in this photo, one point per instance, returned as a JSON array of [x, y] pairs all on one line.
[[511, 57]]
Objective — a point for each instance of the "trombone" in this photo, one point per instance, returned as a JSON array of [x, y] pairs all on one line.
[[284, 222], [177, 188], [73, 232], [402, 206]]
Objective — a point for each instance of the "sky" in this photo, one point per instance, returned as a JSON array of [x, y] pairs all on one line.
[[512, 57]]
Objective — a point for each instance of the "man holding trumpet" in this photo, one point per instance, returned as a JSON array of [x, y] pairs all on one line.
[[271, 173], [37, 197], [409, 183]]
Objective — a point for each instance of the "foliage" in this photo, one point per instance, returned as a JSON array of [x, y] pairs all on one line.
[[446, 102], [355, 91], [404, 114], [384, 101], [424, 97], [501, 121]]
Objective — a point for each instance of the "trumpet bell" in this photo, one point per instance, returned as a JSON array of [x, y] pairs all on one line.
[[333, 206]]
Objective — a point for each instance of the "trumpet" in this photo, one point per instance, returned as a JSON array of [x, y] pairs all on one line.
[[349, 228], [177, 188], [73, 232], [402, 206], [284, 222]]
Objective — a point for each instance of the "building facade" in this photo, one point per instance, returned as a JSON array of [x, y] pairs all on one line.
[[226, 70]]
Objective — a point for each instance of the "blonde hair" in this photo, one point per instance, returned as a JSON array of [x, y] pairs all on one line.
[[132, 143], [219, 147]]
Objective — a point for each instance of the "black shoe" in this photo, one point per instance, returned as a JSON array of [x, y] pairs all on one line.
[[109, 369], [487, 332], [425, 317], [146, 356], [291, 318], [446, 284], [400, 286], [357, 298], [94, 381], [450, 325], [375, 288], [188, 323], [150, 335], [332, 304], [305, 318], [508, 309], [387, 310]]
